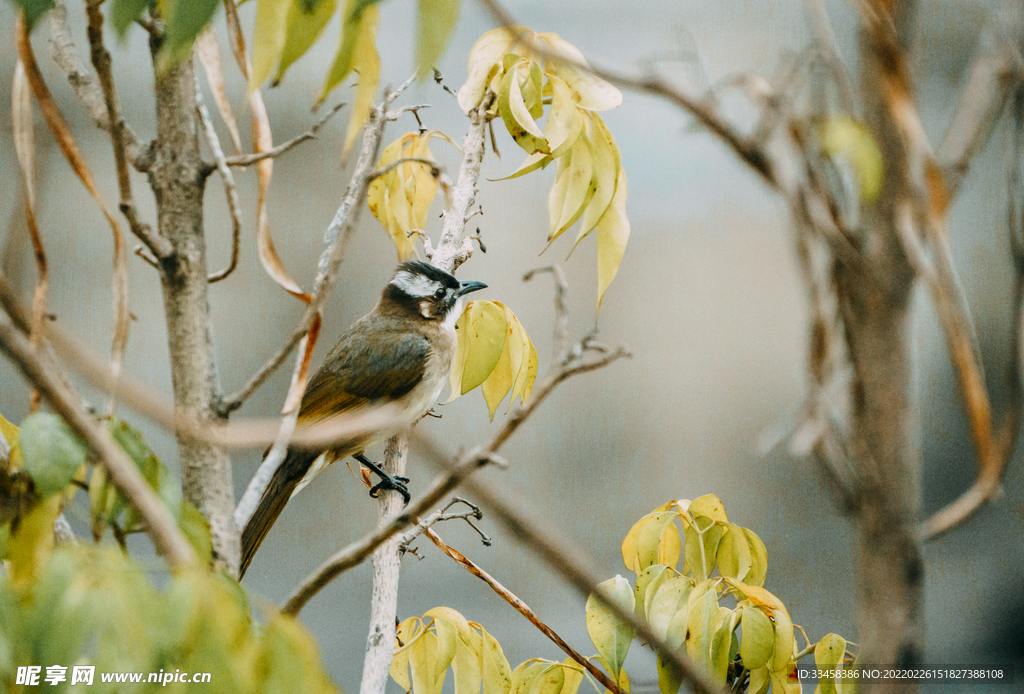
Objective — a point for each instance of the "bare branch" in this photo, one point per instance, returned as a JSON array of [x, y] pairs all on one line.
[[561, 309], [123, 473], [63, 52], [992, 77], [234, 207], [523, 609], [250, 159]]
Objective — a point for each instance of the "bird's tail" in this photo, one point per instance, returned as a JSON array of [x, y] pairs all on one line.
[[282, 486]]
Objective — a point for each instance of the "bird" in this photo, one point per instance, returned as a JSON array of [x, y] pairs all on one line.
[[400, 353]]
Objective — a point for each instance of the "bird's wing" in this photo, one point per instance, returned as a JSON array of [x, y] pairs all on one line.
[[366, 367]]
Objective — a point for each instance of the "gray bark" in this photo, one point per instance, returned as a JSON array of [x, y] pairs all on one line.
[[177, 181]]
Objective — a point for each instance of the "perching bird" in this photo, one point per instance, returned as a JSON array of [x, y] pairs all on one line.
[[400, 352]]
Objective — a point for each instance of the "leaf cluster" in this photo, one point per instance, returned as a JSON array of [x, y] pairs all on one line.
[[590, 184], [493, 352], [93, 604], [751, 645]]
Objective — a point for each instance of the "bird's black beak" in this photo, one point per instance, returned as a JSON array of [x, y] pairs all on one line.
[[467, 287]]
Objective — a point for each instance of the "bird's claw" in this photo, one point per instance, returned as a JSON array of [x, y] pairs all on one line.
[[395, 484]]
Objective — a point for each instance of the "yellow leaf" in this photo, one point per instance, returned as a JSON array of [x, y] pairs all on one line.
[[436, 22], [610, 635], [537, 160], [519, 352], [612, 236], [500, 382], [520, 124], [786, 681], [268, 38], [422, 658], [304, 28], [671, 597], [483, 326], [447, 637], [649, 542], [785, 640], [573, 676], [759, 681], [756, 594], [366, 62], [734, 557], [32, 543], [758, 559], [846, 137], [400, 662], [589, 91], [702, 548], [497, 674], [606, 169], [828, 655], [11, 436], [703, 621], [758, 642], [549, 681], [344, 59], [572, 183], [564, 122], [484, 63], [531, 373], [452, 616], [467, 667], [530, 84]]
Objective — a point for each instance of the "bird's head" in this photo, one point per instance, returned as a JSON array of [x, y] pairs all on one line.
[[428, 292]]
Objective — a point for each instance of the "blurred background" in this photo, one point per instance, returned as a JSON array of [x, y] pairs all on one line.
[[708, 299]]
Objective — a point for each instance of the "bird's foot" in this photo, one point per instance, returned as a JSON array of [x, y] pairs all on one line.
[[387, 482]]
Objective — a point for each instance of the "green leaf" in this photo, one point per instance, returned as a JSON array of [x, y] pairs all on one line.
[[610, 635], [34, 9], [51, 451], [184, 19], [758, 642], [435, 25], [12, 437], [123, 13]]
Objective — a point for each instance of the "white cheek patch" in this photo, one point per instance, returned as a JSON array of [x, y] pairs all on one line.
[[453, 316], [414, 284]]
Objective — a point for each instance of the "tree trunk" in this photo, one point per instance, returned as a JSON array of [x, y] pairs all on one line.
[[877, 303], [177, 182]]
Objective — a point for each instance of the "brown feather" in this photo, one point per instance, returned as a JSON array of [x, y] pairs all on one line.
[[277, 494]]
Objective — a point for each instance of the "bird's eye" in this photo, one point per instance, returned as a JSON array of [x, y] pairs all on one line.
[[439, 294]]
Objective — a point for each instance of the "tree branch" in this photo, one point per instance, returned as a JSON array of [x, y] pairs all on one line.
[[234, 207], [250, 159], [992, 77], [63, 52], [123, 473]]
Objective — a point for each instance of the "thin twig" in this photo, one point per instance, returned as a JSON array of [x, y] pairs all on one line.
[[63, 52], [523, 609], [123, 473], [250, 159], [234, 207], [435, 168]]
